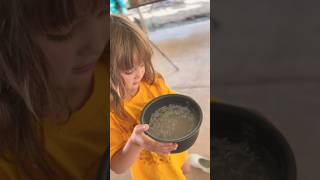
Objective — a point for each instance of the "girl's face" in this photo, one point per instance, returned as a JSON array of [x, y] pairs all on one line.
[[133, 77], [72, 52]]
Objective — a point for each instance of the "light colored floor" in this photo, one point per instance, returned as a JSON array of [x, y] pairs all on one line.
[[189, 47], [169, 13]]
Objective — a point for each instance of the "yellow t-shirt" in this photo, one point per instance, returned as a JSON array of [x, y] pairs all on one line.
[[76, 147], [149, 165]]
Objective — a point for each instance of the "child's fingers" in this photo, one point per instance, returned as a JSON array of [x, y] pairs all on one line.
[[146, 127], [158, 149], [140, 128], [155, 146], [168, 149], [164, 150]]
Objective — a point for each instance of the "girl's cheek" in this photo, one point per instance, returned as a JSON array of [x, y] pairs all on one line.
[[143, 72], [128, 79]]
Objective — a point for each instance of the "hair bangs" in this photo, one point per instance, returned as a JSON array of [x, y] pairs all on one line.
[[47, 14], [131, 50]]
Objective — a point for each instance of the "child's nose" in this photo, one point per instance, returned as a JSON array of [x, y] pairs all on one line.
[[138, 74], [88, 51], [92, 39]]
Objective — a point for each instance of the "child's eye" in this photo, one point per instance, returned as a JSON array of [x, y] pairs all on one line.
[[59, 37], [128, 72]]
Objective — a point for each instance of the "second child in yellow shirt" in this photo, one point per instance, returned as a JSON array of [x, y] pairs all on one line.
[[53, 70], [134, 83]]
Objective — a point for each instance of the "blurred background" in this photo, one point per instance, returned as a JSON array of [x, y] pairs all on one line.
[[180, 32], [266, 57]]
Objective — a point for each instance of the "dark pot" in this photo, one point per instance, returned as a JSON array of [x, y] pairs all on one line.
[[185, 142], [238, 124]]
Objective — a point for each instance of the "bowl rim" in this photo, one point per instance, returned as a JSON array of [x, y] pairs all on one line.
[[268, 126], [187, 136]]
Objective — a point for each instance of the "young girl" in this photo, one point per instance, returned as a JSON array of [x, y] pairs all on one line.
[[53, 56], [133, 84]]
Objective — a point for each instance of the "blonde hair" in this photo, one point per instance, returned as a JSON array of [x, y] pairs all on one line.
[[128, 43], [26, 93]]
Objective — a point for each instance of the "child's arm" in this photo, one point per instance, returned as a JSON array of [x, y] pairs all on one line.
[[124, 158]]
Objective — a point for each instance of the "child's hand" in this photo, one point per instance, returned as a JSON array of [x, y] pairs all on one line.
[[139, 138]]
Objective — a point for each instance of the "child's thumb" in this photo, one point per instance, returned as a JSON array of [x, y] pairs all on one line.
[[140, 128]]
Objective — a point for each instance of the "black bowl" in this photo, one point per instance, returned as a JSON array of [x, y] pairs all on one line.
[[188, 140], [242, 125]]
